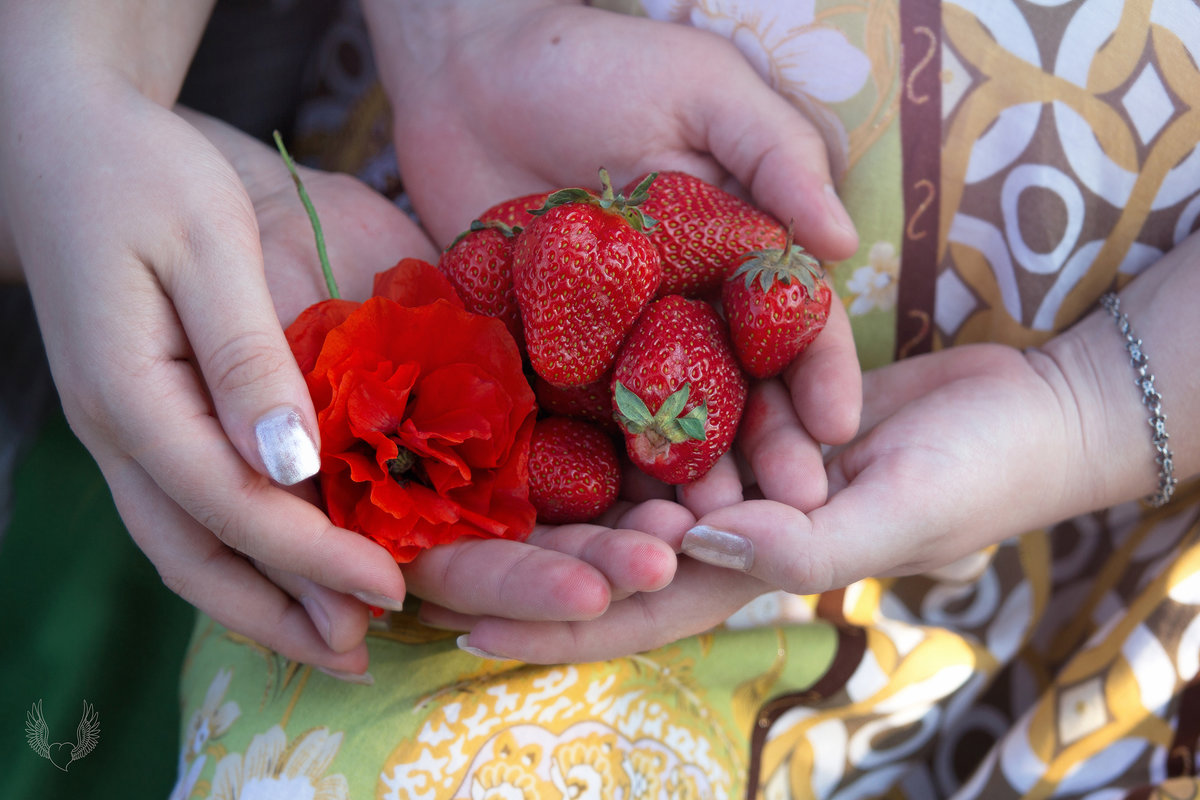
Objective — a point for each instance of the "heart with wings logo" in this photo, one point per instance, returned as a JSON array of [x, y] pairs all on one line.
[[62, 754]]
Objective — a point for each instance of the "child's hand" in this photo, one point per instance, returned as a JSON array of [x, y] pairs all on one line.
[[561, 573], [493, 100]]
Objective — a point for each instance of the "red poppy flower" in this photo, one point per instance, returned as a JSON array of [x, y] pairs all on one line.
[[424, 413]]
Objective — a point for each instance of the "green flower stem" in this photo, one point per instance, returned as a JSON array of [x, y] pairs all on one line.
[[318, 233]]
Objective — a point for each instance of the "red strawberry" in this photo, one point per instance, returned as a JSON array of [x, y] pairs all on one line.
[[515, 212], [592, 401], [677, 390], [573, 471], [776, 302], [479, 265], [702, 232], [583, 271]]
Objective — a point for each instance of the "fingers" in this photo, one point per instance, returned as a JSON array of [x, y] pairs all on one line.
[[720, 486], [874, 526], [564, 572], [826, 381], [784, 458], [770, 541], [477, 576], [340, 619], [200, 569], [184, 448], [219, 291], [777, 154], [699, 598]]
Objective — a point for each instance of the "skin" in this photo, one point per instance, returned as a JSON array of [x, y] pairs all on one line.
[[164, 339], [455, 72], [958, 450], [154, 278]]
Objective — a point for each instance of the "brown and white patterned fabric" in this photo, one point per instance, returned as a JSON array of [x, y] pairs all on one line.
[[1006, 162]]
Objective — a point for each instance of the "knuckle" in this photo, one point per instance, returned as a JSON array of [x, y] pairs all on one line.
[[176, 582], [806, 573], [245, 360]]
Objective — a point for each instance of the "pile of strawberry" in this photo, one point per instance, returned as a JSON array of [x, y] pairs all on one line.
[[642, 315]]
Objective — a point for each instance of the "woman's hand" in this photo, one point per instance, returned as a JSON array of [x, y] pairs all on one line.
[[495, 100], [924, 484], [141, 250], [569, 572]]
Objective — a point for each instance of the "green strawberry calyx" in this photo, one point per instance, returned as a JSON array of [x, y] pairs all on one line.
[[668, 425], [477, 225], [791, 263], [608, 200]]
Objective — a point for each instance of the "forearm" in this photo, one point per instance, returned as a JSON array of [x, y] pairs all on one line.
[[59, 58], [148, 42], [412, 38], [1091, 366]]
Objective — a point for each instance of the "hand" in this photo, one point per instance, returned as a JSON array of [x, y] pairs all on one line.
[[456, 71], [959, 450], [560, 572], [816, 401], [495, 100], [142, 254]]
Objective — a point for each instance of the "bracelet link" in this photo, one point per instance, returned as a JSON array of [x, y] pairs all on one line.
[[1151, 399]]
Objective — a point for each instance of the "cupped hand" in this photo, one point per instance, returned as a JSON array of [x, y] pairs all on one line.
[[959, 450], [141, 250], [493, 101], [496, 100], [568, 572]]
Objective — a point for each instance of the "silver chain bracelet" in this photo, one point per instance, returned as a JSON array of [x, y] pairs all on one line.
[[1151, 399]]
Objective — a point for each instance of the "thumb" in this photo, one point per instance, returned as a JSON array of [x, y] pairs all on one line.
[[239, 346], [779, 156]]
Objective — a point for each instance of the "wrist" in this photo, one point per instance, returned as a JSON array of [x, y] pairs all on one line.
[[1118, 453], [147, 44]]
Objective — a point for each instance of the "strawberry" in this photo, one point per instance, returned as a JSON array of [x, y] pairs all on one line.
[[515, 212], [702, 232], [479, 266], [591, 401], [573, 471], [776, 303], [583, 270], [677, 390]]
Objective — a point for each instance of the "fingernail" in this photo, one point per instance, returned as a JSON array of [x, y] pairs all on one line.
[[319, 618], [380, 600], [287, 450], [365, 679], [836, 210], [475, 651], [719, 548]]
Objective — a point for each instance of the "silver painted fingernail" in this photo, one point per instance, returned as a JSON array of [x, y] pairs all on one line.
[[380, 600], [719, 548], [836, 210], [364, 679], [286, 447], [475, 651]]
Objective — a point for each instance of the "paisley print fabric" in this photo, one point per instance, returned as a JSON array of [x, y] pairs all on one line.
[[1006, 162]]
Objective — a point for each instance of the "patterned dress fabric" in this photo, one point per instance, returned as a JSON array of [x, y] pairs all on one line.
[[1006, 162]]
